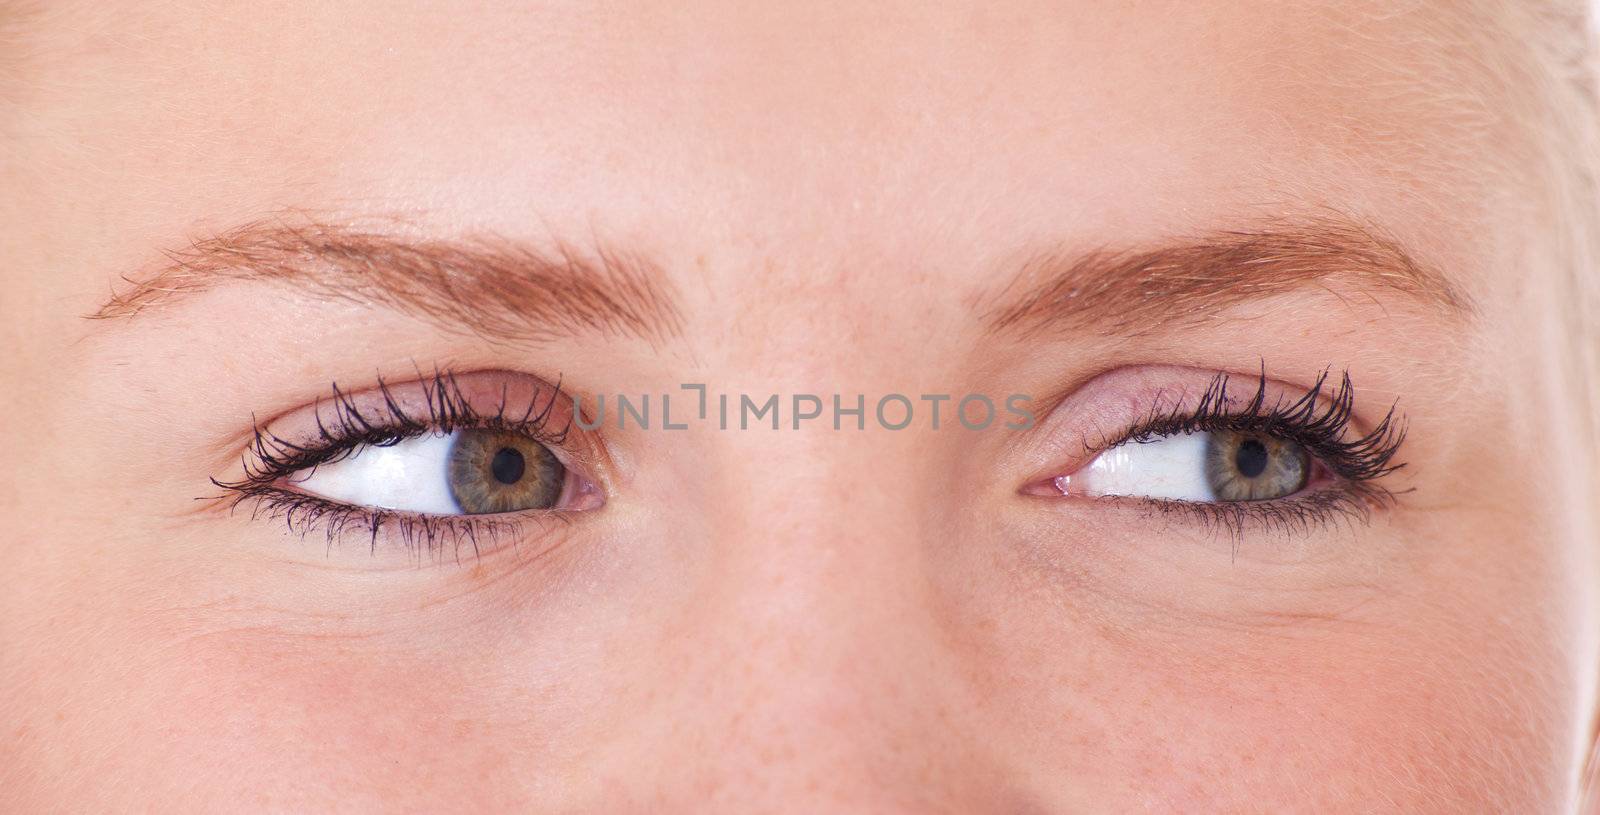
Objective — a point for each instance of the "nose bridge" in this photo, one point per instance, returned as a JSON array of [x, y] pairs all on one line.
[[829, 666], [827, 524]]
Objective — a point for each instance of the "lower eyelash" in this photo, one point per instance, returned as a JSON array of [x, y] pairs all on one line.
[[433, 535], [1351, 502]]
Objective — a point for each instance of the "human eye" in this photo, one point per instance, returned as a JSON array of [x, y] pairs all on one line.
[[470, 471], [1270, 458], [431, 463]]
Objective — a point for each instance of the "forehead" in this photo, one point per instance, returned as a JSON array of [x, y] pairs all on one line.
[[986, 124]]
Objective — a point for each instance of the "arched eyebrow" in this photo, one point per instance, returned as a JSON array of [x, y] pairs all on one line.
[[1136, 291], [503, 290], [494, 288]]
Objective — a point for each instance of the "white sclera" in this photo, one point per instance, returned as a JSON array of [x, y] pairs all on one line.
[[1171, 468], [412, 476]]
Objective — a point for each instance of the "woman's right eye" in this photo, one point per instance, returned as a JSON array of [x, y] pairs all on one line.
[[469, 471]]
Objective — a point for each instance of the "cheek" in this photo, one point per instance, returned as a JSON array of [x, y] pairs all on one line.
[[272, 727], [303, 723], [144, 708], [1423, 706], [456, 692]]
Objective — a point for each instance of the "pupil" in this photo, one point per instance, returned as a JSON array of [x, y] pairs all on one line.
[[1251, 458], [508, 466]]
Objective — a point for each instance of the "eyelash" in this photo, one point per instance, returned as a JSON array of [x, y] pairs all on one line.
[[271, 458], [1319, 425]]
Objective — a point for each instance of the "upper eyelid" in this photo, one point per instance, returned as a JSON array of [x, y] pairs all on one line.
[[1322, 424], [443, 401], [1110, 407]]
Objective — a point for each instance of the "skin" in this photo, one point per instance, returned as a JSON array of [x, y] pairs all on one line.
[[803, 620]]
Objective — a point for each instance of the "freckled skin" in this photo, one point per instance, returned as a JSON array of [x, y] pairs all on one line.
[[808, 620]]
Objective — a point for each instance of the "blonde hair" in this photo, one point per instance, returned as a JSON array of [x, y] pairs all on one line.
[[1561, 38]]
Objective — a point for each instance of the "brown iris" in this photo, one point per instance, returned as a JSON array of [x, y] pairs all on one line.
[[1254, 467], [496, 471]]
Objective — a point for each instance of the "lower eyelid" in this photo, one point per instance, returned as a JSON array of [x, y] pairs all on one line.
[[439, 537], [1304, 513]]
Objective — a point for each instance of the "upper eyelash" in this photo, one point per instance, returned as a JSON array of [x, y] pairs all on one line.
[[272, 457], [1319, 425]]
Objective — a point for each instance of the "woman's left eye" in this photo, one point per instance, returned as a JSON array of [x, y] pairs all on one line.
[[1204, 466], [464, 472]]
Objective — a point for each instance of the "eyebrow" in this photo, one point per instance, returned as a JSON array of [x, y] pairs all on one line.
[[1130, 291], [494, 288]]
